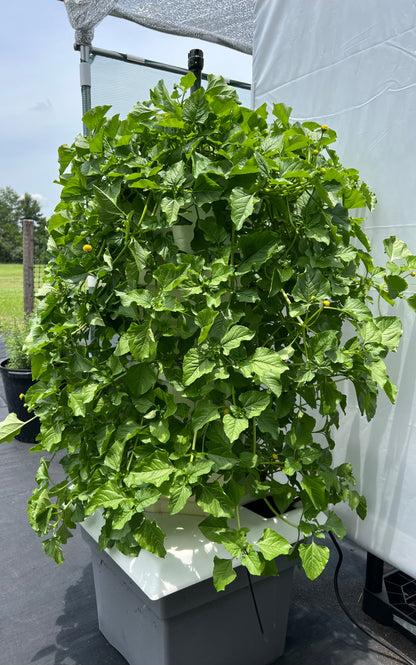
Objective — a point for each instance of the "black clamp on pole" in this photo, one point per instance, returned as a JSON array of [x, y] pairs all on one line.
[[196, 65]]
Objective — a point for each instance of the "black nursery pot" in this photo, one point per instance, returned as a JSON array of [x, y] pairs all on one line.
[[17, 382]]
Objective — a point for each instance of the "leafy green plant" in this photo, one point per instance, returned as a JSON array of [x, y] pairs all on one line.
[[14, 338], [213, 372]]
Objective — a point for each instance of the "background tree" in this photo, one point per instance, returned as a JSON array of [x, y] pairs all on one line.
[[13, 209], [10, 228]]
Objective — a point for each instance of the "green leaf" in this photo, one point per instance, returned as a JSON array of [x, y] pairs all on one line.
[[195, 108], [159, 428], [316, 490], [242, 206], [188, 80], [320, 343], [254, 562], [150, 537], [233, 338], [106, 201], [10, 427], [357, 309], [282, 113], [411, 301], [254, 402], [233, 427], [257, 248], [264, 363], [140, 297], [220, 272], [353, 198], [272, 544], [170, 276], [223, 573], [204, 413], [52, 548], [139, 254], [311, 285], [199, 467], [142, 343], [395, 285], [95, 116], [204, 320], [125, 431], [213, 500], [154, 471], [179, 495], [334, 523], [171, 209], [314, 559], [396, 249], [140, 378], [161, 98], [110, 495], [195, 365], [78, 399], [175, 176], [268, 423], [378, 372]]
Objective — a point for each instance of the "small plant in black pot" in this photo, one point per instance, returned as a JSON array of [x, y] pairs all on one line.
[[17, 378]]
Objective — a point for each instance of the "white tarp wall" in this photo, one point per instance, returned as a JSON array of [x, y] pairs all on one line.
[[352, 65]]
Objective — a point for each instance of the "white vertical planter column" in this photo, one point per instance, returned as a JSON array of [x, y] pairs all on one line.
[[351, 66]]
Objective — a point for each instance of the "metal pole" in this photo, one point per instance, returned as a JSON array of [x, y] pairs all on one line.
[[153, 64], [85, 81], [196, 65], [28, 278]]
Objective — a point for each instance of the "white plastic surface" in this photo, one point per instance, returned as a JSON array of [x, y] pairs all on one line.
[[352, 65], [190, 556]]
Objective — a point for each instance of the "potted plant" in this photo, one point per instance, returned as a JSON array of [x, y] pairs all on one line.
[[210, 373], [17, 378]]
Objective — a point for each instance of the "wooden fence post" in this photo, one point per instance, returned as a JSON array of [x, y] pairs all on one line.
[[28, 267]]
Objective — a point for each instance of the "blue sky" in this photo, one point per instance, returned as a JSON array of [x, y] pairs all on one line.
[[39, 79]]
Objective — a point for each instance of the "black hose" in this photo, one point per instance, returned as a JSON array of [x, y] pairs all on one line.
[[250, 584], [367, 632]]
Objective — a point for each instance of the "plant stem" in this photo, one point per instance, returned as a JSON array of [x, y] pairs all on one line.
[[237, 514], [193, 445], [269, 505], [146, 205]]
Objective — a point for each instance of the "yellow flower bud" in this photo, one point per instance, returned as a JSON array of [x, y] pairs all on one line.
[[413, 273], [324, 127], [326, 303], [275, 456], [21, 396], [323, 170], [87, 248], [316, 152]]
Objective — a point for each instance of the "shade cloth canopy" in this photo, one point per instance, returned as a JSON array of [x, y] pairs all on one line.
[[226, 22]]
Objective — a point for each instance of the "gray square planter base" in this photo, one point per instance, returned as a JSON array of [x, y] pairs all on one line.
[[196, 625]]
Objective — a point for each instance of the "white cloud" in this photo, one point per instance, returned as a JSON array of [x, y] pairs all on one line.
[[46, 105], [39, 198]]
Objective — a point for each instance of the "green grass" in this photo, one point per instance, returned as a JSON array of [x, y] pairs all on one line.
[[11, 293]]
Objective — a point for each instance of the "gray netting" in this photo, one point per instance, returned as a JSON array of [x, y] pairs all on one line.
[[122, 84], [226, 22]]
